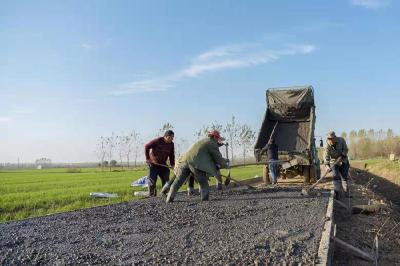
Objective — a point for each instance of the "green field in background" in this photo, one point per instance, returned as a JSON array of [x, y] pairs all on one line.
[[31, 193]]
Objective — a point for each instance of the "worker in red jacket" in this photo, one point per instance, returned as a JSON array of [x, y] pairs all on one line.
[[157, 152]]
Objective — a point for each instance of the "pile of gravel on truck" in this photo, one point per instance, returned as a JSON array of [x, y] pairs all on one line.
[[271, 226]]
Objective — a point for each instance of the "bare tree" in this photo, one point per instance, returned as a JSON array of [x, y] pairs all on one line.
[[373, 143], [137, 147], [371, 134], [216, 126], [130, 142], [231, 131], [181, 145], [380, 134], [246, 139], [202, 132], [101, 150], [120, 142], [166, 126], [389, 133], [110, 146], [43, 162]]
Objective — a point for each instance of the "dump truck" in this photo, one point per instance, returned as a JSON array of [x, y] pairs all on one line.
[[290, 121]]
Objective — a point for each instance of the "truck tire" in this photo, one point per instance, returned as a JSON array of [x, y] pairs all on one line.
[[306, 174], [266, 179]]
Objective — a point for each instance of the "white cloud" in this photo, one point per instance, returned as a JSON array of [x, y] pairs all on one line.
[[222, 51], [216, 59], [372, 4], [140, 86]]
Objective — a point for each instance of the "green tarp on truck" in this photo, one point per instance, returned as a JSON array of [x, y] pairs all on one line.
[[291, 111]]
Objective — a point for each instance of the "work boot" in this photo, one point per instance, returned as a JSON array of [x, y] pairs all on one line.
[[337, 195], [219, 186], [204, 193], [190, 191], [172, 193], [204, 198], [152, 191], [165, 189], [170, 197], [337, 188]]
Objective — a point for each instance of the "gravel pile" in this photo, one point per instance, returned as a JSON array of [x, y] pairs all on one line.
[[275, 226]]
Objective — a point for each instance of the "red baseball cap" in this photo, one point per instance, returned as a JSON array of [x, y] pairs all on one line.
[[216, 134]]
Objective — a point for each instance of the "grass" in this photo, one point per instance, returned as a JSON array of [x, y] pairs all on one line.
[[31, 193], [384, 168]]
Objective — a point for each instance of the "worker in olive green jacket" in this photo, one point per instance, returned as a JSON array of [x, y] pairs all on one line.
[[202, 160], [336, 160]]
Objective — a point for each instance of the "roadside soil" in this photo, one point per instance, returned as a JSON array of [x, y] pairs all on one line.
[[360, 230], [268, 226]]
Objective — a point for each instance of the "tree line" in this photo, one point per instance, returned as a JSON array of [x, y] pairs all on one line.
[[365, 144], [130, 147], [124, 146], [239, 136]]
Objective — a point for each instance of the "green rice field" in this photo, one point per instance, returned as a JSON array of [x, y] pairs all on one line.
[[32, 193]]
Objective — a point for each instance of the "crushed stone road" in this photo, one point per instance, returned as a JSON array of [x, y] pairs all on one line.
[[274, 226]]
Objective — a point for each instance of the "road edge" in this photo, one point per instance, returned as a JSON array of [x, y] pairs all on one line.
[[325, 250]]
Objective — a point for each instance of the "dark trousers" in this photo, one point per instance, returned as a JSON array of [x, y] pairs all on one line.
[[153, 172], [182, 173], [340, 176], [191, 181], [340, 171]]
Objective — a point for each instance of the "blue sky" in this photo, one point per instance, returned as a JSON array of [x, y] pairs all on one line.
[[73, 71]]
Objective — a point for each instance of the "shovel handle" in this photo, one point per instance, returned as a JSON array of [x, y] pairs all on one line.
[[163, 165], [227, 157], [230, 178], [321, 178]]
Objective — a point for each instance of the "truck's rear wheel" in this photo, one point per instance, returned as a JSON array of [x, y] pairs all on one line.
[[266, 179]]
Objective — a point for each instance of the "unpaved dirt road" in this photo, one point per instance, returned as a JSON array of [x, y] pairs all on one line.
[[274, 226], [360, 230]]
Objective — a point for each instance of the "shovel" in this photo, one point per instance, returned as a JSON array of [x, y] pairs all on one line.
[[235, 181], [228, 178], [163, 165], [306, 191]]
